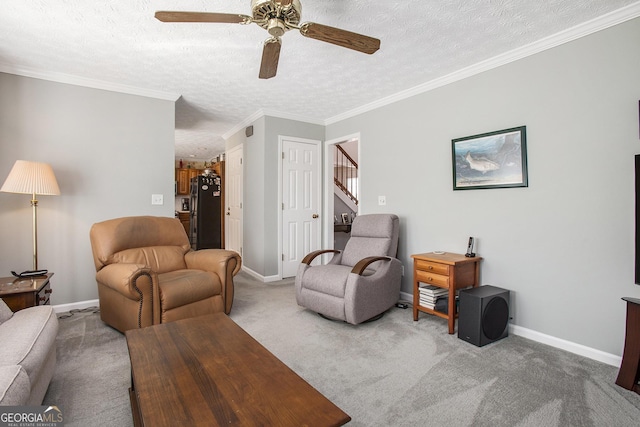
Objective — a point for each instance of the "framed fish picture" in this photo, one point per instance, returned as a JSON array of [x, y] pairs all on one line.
[[490, 160]]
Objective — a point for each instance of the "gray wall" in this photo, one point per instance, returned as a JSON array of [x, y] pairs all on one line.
[[564, 246], [110, 151], [260, 208], [254, 207]]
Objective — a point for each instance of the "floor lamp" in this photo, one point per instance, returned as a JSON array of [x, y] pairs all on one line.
[[33, 178]]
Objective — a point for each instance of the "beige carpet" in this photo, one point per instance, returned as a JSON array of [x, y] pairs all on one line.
[[392, 372]]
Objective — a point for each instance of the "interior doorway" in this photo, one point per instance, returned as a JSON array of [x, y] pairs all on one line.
[[340, 208]]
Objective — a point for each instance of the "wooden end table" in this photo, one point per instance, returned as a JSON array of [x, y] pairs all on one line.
[[448, 271], [207, 371], [20, 293]]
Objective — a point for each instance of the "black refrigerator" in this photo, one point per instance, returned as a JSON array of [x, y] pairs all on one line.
[[206, 211]]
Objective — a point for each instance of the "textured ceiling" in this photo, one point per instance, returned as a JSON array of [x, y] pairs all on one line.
[[214, 67]]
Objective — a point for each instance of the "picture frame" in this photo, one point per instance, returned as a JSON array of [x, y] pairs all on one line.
[[490, 160], [345, 218]]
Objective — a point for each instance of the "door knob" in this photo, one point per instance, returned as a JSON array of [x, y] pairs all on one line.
[[315, 216]]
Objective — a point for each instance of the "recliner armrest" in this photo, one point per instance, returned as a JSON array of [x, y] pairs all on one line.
[[311, 256], [222, 262], [215, 260], [362, 265], [121, 277]]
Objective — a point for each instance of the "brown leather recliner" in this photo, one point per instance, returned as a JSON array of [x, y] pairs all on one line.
[[147, 273]]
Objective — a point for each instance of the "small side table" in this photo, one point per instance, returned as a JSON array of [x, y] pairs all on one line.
[[446, 270], [20, 293], [629, 373]]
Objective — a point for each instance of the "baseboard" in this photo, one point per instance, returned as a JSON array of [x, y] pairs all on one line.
[[260, 277], [591, 353], [65, 308], [571, 347], [406, 297]]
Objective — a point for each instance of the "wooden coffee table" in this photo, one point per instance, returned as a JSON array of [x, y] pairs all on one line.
[[207, 371]]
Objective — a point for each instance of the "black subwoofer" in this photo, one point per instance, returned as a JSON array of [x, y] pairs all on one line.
[[483, 315]]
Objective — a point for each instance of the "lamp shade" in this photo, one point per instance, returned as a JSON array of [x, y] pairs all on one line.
[[31, 178]]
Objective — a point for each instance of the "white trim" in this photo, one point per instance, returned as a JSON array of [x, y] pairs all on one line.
[[591, 353], [292, 116], [271, 113], [243, 124], [65, 308], [603, 22], [600, 23], [571, 347], [258, 276], [86, 82], [279, 207]]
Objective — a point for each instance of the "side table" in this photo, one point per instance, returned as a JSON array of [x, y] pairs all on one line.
[[19, 293], [444, 270]]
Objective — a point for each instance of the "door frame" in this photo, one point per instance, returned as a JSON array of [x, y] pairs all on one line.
[[318, 143], [327, 237]]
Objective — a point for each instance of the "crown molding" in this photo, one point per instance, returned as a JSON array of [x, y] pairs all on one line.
[[292, 116], [603, 22], [243, 124], [270, 113], [85, 82]]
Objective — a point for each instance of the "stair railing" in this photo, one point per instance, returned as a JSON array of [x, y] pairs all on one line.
[[345, 174]]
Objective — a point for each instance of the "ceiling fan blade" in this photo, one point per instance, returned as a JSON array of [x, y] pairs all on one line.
[[270, 57], [339, 37], [225, 18]]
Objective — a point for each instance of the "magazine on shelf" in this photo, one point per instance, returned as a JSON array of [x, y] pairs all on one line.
[[432, 290], [428, 305], [431, 298], [430, 302]]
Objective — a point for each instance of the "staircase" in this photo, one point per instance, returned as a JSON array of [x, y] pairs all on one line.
[[345, 175]]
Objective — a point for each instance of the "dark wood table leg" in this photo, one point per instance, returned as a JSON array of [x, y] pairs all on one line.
[[629, 373], [135, 409]]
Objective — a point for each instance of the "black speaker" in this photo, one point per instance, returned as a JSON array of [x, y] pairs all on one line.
[[483, 315]]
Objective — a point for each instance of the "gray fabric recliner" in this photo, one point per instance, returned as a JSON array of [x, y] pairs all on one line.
[[360, 282]]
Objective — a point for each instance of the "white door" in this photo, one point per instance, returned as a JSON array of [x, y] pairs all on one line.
[[301, 201], [233, 197]]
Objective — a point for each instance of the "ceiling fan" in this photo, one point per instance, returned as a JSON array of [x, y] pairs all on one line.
[[278, 17]]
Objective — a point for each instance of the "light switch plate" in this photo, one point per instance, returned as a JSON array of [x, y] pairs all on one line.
[[382, 200], [157, 199]]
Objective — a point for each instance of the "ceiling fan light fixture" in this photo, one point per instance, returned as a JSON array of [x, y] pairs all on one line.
[[276, 27]]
